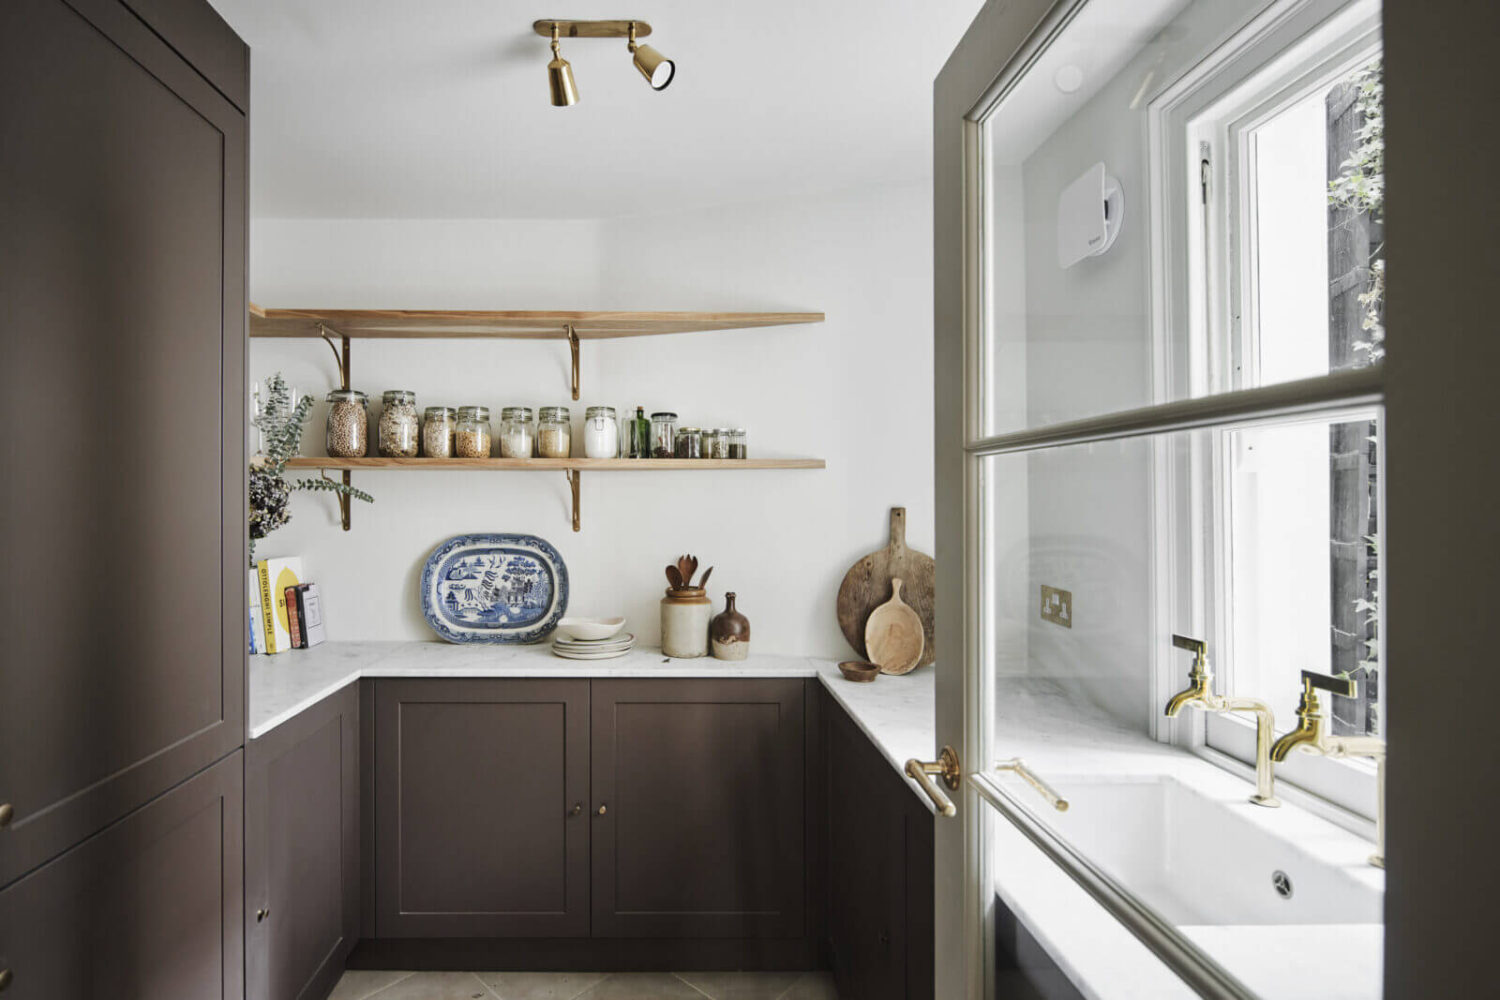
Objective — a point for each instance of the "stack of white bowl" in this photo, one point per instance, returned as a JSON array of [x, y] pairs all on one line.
[[592, 639]]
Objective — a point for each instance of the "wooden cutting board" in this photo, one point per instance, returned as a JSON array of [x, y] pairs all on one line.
[[867, 585], [893, 635]]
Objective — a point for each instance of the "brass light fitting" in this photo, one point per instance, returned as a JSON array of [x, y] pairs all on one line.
[[655, 67]]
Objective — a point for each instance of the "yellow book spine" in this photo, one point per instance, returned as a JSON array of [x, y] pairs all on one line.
[[267, 606]]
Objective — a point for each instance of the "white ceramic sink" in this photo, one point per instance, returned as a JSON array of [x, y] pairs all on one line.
[[1201, 863]]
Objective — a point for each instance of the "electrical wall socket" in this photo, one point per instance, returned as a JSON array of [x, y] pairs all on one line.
[[1057, 606]]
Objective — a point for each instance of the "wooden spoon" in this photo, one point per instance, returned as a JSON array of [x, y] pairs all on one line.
[[674, 577], [893, 634], [687, 566], [706, 574]]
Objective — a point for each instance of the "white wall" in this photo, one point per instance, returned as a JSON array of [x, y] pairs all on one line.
[[855, 390]]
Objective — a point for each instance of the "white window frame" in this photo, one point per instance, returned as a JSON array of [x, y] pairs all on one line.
[[1203, 343]]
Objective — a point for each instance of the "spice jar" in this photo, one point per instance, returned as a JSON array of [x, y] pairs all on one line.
[[471, 436], [601, 434], [517, 433], [438, 423], [399, 431], [720, 447], [737, 446], [638, 435], [689, 444], [663, 434], [706, 442], [348, 424], [554, 432]]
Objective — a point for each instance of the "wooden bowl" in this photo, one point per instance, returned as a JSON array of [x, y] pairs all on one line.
[[859, 671]]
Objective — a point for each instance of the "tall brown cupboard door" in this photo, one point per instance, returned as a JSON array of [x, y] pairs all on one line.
[[481, 792], [122, 311], [148, 909], [698, 811]]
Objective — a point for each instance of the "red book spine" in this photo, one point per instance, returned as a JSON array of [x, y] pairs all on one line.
[[293, 625]]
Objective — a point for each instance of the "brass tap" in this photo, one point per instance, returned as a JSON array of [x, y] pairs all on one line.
[[1200, 692], [1312, 736]]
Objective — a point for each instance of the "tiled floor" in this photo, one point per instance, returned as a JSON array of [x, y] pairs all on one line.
[[359, 985]]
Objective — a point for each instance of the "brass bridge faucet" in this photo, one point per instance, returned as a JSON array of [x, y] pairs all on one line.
[[1313, 736], [1200, 692]]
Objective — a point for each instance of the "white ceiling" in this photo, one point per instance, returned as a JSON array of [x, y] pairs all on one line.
[[439, 108]]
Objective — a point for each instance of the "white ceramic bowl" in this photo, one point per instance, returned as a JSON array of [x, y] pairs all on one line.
[[591, 629]]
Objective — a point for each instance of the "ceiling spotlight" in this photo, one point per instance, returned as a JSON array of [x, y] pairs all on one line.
[[560, 76], [655, 67]]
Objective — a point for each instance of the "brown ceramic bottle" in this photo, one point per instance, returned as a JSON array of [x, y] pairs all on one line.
[[729, 632]]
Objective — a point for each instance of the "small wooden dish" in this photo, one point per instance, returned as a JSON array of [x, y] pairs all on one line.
[[859, 671]]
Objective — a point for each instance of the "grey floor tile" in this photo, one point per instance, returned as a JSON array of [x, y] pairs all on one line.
[[642, 986], [356, 984], [540, 985], [437, 986], [812, 986], [740, 985]]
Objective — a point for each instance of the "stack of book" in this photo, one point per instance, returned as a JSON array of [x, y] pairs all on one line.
[[285, 612]]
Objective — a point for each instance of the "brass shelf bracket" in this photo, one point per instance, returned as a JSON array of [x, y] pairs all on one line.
[[343, 498], [573, 345], [340, 358], [575, 478]]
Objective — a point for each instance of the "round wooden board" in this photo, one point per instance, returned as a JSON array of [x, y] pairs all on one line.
[[867, 585]]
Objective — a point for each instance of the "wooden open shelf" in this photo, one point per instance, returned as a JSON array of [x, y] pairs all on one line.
[[559, 464], [422, 324]]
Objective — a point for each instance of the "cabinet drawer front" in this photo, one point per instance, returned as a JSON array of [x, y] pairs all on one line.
[[702, 782], [476, 786], [147, 909]]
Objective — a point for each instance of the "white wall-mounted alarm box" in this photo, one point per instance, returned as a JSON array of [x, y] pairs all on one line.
[[1089, 213]]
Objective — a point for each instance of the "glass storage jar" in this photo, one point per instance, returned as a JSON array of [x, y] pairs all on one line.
[[737, 446], [720, 447], [517, 432], [399, 430], [663, 434], [438, 423], [554, 432], [601, 433], [471, 436], [706, 439], [348, 424], [689, 443]]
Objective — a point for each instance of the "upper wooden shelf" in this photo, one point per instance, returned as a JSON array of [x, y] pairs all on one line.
[[555, 464], [435, 324]]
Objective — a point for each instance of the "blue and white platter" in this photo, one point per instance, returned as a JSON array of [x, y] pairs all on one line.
[[494, 588]]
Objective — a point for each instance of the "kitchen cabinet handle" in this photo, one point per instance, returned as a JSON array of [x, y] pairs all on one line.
[[5, 979], [603, 809], [7, 813], [262, 914], [577, 809]]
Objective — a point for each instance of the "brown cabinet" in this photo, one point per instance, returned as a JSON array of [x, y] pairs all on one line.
[[482, 808], [880, 874], [122, 510], [698, 825], [302, 851], [147, 909]]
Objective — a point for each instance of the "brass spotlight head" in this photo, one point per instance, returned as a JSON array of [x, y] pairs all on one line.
[[560, 77], [655, 67]]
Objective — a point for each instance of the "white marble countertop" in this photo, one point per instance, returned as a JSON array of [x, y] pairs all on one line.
[[896, 713]]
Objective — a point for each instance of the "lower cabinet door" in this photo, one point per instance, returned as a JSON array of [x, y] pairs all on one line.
[[481, 803], [698, 811], [146, 909], [302, 851]]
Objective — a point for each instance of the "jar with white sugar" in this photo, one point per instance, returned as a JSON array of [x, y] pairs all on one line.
[[554, 432], [601, 433], [517, 432]]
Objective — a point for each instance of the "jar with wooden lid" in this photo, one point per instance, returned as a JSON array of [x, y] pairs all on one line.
[[517, 432], [348, 424], [438, 425], [663, 434], [554, 432], [471, 435], [689, 443]]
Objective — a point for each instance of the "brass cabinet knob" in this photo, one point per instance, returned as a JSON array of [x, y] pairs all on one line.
[[7, 813], [603, 809], [577, 809], [5, 978], [262, 914]]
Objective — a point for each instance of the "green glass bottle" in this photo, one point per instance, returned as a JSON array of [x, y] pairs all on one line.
[[639, 438]]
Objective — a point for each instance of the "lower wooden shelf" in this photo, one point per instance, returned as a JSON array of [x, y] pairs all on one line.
[[574, 467]]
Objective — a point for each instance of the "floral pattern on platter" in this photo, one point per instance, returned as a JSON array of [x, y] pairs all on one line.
[[494, 588]]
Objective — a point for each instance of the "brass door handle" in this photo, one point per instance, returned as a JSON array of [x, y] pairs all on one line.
[[576, 810], [947, 766], [1043, 789], [7, 813], [603, 809], [6, 978]]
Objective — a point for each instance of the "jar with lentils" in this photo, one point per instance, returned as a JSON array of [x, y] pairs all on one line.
[[471, 436], [400, 431], [348, 424], [438, 425], [554, 432]]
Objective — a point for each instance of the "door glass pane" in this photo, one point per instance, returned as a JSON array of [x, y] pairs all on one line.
[[1170, 215], [1093, 557]]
